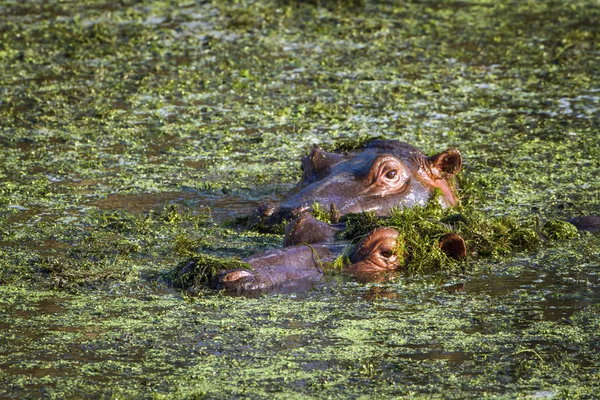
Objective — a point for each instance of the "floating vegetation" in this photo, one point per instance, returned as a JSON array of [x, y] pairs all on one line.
[[341, 262], [559, 230], [422, 228], [349, 144], [74, 275], [338, 4], [322, 214]]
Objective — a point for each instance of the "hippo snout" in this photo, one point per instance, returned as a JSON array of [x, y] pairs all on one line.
[[266, 209], [262, 217], [269, 214]]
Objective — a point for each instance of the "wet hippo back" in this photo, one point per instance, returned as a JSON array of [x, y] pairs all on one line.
[[589, 223]]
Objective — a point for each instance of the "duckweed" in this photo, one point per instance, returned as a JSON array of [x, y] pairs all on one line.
[[135, 133]]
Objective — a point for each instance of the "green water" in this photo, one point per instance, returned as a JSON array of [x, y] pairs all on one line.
[[133, 132]]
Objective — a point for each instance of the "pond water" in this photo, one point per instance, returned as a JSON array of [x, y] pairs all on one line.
[[136, 133]]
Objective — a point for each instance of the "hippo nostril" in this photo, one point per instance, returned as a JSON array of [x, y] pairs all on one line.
[[266, 209]]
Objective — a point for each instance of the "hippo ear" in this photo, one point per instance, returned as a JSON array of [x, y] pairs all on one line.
[[319, 159], [453, 246], [446, 164], [318, 163]]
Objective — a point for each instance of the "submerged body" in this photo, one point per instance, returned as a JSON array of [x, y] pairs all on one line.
[[589, 223], [381, 175]]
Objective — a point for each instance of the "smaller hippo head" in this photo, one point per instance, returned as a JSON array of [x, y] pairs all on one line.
[[377, 252], [382, 175]]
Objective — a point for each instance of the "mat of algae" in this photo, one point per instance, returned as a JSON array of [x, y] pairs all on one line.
[[131, 133]]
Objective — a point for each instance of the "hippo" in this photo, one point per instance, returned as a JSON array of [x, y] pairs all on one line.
[[376, 254], [376, 177]]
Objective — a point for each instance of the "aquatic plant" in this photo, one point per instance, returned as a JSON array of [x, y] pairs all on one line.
[[559, 230], [348, 144], [421, 228]]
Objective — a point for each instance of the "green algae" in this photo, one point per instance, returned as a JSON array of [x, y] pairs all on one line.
[[559, 230], [422, 227], [308, 345], [349, 144], [218, 100], [322, 214]]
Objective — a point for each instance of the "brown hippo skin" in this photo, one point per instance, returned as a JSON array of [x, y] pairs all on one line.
[[381, 175], [276, 267]]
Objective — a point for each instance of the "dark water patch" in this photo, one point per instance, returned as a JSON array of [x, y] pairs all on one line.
[[24, 144], [23, 214], [453, 358], [498, 286], [47, 306], [81, 184], [139, 202], [552, 297], [35, 372], [200, 164], [86, 332], [220, 207], [49, 246]]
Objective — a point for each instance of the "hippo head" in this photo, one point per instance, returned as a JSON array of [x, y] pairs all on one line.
[[382, 250], [382, 175], [375, 253]]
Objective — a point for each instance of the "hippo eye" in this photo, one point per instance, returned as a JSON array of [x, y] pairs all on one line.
[[390, 170], [387, 175]]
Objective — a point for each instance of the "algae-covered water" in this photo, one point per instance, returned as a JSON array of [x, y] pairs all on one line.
[[133, 133]]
